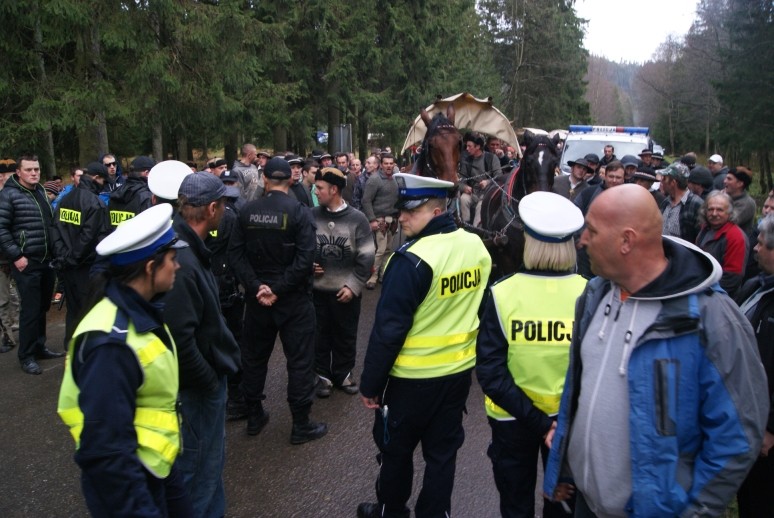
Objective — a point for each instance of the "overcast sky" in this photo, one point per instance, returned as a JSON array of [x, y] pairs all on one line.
[[632, 30]]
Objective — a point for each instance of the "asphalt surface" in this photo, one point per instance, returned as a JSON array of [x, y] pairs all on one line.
[[264, 476]]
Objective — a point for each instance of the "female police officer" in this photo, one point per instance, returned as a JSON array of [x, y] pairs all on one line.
[[120, 385], [523, 348]]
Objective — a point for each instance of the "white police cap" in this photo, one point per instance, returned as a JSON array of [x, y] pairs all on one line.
[[141, 237], [415, 190], [165, 178], [549, 217]]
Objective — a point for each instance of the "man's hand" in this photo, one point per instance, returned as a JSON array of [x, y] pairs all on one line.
[[370, 402], [344, 295], [375, 225], [550, 435], [467, 189], [768, 442], [318, 270], [563, 491], [482, 184], [265, 296], [21, 263]]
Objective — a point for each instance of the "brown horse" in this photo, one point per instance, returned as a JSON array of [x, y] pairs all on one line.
[[502, 230], [439, 154]]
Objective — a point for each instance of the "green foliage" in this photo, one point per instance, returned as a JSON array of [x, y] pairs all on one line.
[[151, 75]]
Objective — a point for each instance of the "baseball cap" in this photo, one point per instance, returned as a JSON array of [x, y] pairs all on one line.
[[201, 188]]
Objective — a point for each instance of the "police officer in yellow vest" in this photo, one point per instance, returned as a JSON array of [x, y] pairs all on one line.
[[120, 386], [523, 349], [417, 369]]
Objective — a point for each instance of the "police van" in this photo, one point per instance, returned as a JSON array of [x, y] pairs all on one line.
[[582, 140]]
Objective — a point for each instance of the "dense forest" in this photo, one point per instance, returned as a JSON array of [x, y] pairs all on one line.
[[708, 91], [167, 77]]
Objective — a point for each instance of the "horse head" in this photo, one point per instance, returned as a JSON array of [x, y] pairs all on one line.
[[538, 166], [439, 156]]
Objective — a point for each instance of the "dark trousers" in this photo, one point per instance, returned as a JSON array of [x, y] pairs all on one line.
[[76, 285], [234, 314], [35, 286], [582, 509], [754, 496], [336, 344], [292, 316], [427, 411], [513, 452]]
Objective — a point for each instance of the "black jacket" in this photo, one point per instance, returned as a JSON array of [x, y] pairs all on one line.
[[274, 243], [81, 222], [26, 217], [762, 319], [132, 197], [206, 349]]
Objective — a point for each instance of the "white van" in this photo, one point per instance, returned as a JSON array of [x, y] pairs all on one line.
[[582, 140]]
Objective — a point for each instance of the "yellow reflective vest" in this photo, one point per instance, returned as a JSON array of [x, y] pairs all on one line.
[[155, 420], [442, 339], [536, 316]]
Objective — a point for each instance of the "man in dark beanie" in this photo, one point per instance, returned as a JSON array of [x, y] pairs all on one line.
[[343, 260], [735, 184], [80, 223]]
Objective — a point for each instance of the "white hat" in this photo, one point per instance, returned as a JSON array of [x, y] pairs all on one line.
[[414, 190], [141, 237], [549, 217], [717, 159], [165, 178]]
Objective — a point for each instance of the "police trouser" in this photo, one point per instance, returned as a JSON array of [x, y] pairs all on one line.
[[292, 316], [76, 285], [35, 285], [513, 452], [336, 341], [427, 411]]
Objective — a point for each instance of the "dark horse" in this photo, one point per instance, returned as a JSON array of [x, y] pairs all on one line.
[[500, 204], [502, 230]]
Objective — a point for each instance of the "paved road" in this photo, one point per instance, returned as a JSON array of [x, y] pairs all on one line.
[[265, 476]]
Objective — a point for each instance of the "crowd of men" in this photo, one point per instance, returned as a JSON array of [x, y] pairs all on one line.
[[285, 245]]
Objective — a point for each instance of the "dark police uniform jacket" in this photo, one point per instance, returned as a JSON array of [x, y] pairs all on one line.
[[81, 222], [274, 243]]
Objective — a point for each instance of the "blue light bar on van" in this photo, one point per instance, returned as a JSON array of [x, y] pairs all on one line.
[[632, 130]]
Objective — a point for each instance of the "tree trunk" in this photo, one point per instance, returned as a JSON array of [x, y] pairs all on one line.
[[49, 162], [280, 140], [182, 147], [158, 142]]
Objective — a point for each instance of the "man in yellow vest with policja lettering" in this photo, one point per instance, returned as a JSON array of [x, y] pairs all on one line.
[[417, 369], [522, 351]]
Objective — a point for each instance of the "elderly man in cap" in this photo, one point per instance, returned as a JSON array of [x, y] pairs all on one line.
[[646, 156], [272, 250], [25, 239], [417, 369], [134, 196], [206, 349], [80, 223], [572, 184], [665, 399], [343, 260], [700, 182], [735, 184], [522, 349], [680, 209], [718, 170]]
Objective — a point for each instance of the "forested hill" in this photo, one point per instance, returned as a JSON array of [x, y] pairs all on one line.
[[609, 91]]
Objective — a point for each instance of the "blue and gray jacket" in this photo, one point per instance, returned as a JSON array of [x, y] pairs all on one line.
[[698, 399]]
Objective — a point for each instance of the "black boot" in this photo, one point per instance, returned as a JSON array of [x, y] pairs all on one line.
[[305, 430], [257, 418]]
